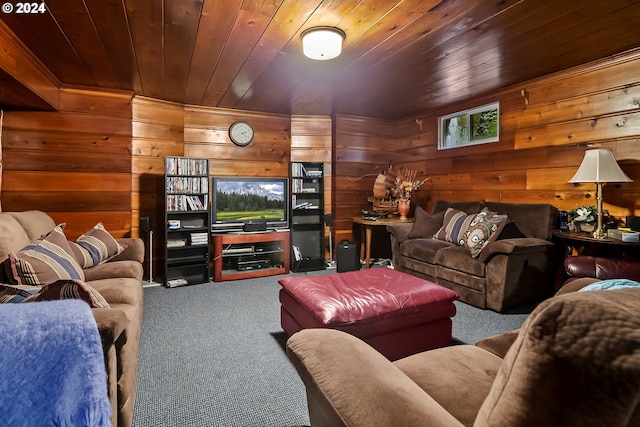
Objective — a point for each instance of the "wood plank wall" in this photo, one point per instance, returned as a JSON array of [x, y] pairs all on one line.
[[363, 148], [311, 141], [546, 125], [157, 132], [74, 164]]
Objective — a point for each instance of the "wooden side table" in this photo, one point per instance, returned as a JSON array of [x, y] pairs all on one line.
[[577, 243], [367, 226]]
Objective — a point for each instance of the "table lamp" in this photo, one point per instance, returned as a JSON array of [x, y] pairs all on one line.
[[599, 166]]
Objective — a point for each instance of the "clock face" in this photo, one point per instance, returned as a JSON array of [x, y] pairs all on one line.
[[241, 133]]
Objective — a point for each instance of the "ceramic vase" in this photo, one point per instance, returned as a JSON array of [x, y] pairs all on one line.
[[403, 208]]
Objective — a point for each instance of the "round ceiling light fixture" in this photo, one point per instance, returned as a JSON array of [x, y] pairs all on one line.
[[322, 43]]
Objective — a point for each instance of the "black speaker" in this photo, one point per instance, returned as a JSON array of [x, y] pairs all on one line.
[[145, 224], [328, 220], [347, 258]]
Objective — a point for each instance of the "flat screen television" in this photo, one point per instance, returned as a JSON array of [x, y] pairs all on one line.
[[237, 201]]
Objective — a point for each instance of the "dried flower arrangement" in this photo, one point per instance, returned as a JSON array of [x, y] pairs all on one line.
[[392, 186], [406, 183]]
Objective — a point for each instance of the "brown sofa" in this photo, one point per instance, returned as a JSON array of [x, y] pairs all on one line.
[[575, 362], [119, 281], [516, 268]]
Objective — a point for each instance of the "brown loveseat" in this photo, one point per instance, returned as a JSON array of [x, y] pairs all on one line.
[[575, 362], [119, 281], [516, 265]]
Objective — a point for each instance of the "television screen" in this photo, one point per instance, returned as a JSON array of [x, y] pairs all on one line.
[[237, 201]]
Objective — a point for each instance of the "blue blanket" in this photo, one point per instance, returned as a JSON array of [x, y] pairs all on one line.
[[611, 284], [53, 366]]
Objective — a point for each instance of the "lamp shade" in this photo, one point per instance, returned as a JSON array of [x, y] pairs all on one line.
[[322, 43], [599, 166]]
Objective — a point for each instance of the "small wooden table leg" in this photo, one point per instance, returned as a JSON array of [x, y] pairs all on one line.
[[368, 247]]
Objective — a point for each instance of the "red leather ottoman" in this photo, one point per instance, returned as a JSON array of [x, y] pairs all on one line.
[[396, 313]]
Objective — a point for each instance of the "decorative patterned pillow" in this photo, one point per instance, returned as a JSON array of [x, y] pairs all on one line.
[[69, 289], [483, 229], [13, 294], [425, 225], [98, 246], [454, 226], [45, 262]]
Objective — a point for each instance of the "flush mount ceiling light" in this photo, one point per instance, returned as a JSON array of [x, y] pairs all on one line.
[[322, 43]]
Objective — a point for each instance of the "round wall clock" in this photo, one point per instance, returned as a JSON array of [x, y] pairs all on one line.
[[241, 133]]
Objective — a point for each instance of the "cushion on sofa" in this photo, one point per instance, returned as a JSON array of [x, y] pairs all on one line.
[[45, 262], [434, 371], [425, 225], [36, 224], [456, 258], [97, 246], [532, 219], [12, 236], [454, 225], [69, 289], [424, 249], [484, 229]]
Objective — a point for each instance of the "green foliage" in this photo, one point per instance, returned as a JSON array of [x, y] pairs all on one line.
[[235, 206], [484, 124]]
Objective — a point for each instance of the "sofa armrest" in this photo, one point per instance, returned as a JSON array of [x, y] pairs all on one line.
[[134, 250], [515, 246], [400, 231], [350, 384], [499, 344], [111, 323]]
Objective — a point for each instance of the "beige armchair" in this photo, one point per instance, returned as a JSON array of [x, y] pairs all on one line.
[[575, 361]]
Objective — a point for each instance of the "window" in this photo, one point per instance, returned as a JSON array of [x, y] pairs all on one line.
[[469, 127]]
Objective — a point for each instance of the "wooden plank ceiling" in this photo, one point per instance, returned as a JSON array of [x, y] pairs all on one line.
[[400, 57]]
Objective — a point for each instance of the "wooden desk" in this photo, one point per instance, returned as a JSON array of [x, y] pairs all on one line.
[[577, 243], [367, 226]]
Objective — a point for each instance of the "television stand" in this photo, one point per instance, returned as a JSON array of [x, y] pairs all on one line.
[[249, 255]]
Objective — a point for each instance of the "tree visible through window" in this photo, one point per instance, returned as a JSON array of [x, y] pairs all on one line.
[[473, 126]]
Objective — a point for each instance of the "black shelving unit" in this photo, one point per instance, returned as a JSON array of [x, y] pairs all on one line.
[[307, 216], [187, 221]]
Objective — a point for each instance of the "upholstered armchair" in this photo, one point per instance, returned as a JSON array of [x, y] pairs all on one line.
[[575, 362], [583, 270]]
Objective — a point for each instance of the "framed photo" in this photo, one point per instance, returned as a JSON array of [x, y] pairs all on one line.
[[469, 127]]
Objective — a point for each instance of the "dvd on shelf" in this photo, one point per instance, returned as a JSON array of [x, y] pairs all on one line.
[[186, 166]]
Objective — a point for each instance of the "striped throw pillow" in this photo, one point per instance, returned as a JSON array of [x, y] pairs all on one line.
[[39, 264], [454, 226], [70, 289], [98, 246]]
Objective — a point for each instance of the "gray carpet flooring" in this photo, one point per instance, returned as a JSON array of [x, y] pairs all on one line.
[[213, 355]]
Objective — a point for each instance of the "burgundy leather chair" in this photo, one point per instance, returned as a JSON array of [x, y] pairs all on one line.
[[583, 270]]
